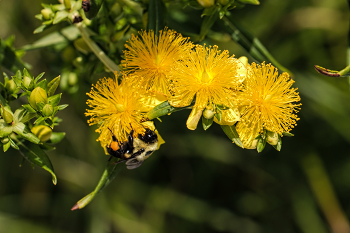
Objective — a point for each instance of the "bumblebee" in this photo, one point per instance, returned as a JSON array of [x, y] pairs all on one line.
[[134, 151]]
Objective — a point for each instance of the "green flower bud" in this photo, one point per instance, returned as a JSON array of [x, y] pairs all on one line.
[[208, 114], [6, 114], [5, 140], [27, 81], [38, 95], [272, 138], [67, 4], [11, 86], [43, 132], [47, 13], [72, 79], [206, 3], [47, 110]]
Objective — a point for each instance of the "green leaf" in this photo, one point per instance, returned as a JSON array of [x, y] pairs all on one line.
[[22, 130], [13, 144], [254, 2], [218, 115], [207, 122], [17, 78], [29, 108], [61, 107], [39, 77], [95, 6], [6, 146], [56, 137], [287, 134], [19, 114], [39, 120], [207, 23], [8, 58], [278, 146], [5, 129], [164, 108], [26, 73], [34, 154], [60, 16], [63, 36], [156, 16], [261, 145], [42, 84], [209, 11], [54, 100], [52, 86], [232, 134], [251, 43], [108, 175], [40, 28]]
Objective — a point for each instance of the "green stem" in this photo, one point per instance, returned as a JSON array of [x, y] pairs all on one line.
[[96, 49], [345, 70], [251, 43]]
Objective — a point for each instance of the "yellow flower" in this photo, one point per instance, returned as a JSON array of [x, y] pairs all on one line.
[[116, 108], [210, 75], [149, 59], [266, 102]]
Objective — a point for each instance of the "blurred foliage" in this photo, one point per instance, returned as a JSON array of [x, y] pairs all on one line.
[[196, 182]]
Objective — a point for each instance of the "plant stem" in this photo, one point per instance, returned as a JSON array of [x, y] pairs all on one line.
[[97, 50]]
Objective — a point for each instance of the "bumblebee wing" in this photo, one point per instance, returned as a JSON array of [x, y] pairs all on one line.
[[133, 163]]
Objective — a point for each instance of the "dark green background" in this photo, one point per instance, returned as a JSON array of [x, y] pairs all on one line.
[[199, 181]]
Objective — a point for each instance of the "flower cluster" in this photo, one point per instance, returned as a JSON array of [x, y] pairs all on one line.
[[168, 70]]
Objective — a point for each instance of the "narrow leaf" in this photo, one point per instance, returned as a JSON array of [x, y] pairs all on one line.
[[52, 86], [22, 130], [55, 99], [29, 108], [56, 137], [94, 8], [261, 145], [61, 107], [6, 146], [207, 23], [164, 109], [40, 28], [207, 122], [278, 146], [108, 175], [42, 84], [253, 2], [60, 15], [156, 15], [34, 154], [232, 134], [39, 77]]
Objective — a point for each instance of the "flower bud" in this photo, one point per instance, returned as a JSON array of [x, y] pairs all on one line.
[[47, 13], [11, 86], [27, 81], [67, 4], [43, 132], [206, 3], [272, 138], [47, 110], [72, 79], [224, 2], [5, 140], [38, 95], [6, 114], [208, 114]]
